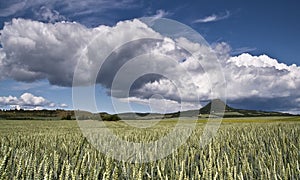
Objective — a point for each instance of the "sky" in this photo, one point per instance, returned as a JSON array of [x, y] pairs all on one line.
[[46, 44]]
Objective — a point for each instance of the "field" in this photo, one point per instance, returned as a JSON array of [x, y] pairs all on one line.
[[264, 148]]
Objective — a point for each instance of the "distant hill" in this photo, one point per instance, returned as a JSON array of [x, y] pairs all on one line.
[[215, 107], [219, 107]]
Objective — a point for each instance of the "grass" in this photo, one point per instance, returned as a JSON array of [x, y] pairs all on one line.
[[244, 148], [257, 119]]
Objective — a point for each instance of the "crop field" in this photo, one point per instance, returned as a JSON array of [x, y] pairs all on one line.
[[265, 148]]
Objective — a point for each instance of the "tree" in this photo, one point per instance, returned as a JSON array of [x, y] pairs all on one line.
[[109, 117], [68, 117]]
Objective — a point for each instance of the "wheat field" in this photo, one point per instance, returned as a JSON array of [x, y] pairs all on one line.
[[58, 150]]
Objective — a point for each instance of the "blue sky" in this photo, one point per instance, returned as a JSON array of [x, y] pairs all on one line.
[[242, 27]]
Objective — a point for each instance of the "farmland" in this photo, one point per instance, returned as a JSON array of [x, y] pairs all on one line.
[[244, 148]]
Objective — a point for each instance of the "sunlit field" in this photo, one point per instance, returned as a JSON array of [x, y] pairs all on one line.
[[252, 148]]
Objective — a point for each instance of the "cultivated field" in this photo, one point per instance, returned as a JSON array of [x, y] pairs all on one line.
[[265, 148]]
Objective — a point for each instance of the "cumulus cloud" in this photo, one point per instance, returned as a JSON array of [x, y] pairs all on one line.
[[261, 76], [142, 60], [8, 100], [262, 61], [261, 82], [35, 50], [25, 100], [28, 101], [222, 50], [213, 18], [175, 73]]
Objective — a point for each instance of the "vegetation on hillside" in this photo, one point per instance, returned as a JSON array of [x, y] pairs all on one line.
[[57, 114]]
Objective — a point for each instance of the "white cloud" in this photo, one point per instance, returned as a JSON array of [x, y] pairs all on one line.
[[63, 105], [213, 18], [182, 82], [8, 100], [2, 59], [247, 76], [31, 100], [262, 61], [37, 108], [36, 50], [16, 107], [52, 105], [261, 76], [27, 101], [222, 50], [36, 45]]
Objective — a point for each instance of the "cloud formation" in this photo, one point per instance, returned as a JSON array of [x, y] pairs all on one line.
[[261, 76], [213, 18], [33, 51], [28, 101]]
